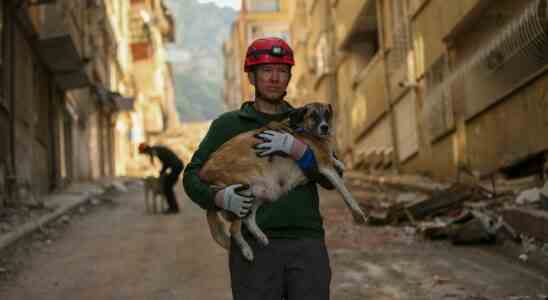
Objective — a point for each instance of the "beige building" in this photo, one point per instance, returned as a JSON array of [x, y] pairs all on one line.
[[47, 100], [418, 85], [151, 28], [70, 76]]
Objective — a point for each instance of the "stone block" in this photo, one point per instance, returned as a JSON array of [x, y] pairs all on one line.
[[531, 222]]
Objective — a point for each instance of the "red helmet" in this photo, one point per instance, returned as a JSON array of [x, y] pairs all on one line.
[[142, 147], [270, 50]]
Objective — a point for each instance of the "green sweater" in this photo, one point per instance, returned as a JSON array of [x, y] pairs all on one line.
[[295, 215]]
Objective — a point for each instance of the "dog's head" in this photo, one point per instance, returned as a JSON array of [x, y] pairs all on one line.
[[313, 118]]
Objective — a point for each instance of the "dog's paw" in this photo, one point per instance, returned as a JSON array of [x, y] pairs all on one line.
[[263, 239], [247, 253], [360, 218]]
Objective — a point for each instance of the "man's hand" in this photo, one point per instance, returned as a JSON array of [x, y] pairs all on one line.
[[279, 142], [231, 199]]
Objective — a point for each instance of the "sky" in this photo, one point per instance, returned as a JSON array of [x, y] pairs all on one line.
[[236, 4]]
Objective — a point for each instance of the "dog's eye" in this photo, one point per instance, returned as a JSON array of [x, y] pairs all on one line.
[[315, 116], [327, 114]]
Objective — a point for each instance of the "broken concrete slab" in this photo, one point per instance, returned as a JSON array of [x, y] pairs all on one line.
[[474, 231], [531, 222], [440, 202], [529, 196]]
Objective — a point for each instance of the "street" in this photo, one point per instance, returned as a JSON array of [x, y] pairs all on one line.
[[120, 252]]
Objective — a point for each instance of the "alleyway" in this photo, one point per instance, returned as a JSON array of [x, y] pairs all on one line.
[[119, 252]]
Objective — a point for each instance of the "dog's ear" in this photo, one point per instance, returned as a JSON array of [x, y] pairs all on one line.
[[296, 117]]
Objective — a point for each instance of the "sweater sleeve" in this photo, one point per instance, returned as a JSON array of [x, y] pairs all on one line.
[[197, 190]]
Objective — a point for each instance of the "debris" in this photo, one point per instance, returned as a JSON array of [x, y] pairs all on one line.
[[410, 230], [440, 202], [440, 280], [3, 270], [545, 249], [65, 219], [378, 218], [528, 243], [523, 257], [544, 196], [95, 201], [544, 189], [5, 227], [528, 196], [410, 216], [477, 230], [532, 222], [116, 187], [434, 230], [519, 298]]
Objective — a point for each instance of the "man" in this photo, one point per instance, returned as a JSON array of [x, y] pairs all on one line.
[[295, 265], [170, 162]]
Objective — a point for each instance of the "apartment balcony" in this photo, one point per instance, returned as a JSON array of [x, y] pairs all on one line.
[[60, 45], [113, 101], [140, 28], [355, 19], [142, 51], [122, 103]]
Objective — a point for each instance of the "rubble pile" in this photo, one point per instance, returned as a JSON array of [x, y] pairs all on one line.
[[480, 213]]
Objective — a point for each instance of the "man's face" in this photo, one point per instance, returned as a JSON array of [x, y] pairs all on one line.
[[271, 81]]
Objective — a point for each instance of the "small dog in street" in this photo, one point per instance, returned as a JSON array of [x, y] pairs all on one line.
[[269, 178], [154, 194]]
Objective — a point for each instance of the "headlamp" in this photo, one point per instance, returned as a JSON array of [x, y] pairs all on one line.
[[276, 51]]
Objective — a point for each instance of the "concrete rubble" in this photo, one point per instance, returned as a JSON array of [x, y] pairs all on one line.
[[512, 213]]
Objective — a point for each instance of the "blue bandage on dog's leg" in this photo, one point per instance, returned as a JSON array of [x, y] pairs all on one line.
[[307, 161]]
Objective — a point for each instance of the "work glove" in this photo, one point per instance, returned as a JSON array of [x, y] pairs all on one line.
[[275, 142], [231, 199]]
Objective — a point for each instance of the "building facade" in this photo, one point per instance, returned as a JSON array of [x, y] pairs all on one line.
[[431, 86], [151, 28], [68, 91]]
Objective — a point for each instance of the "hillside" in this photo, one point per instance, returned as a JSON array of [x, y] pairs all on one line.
[[197, 58]]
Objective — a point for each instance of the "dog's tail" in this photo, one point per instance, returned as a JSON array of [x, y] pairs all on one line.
[[217, 229], [338, 183]]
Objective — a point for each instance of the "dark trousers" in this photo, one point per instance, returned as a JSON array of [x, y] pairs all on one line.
[[169, 181], [289, 269]]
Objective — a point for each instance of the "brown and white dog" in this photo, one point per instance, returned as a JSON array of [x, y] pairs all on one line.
[[154, 191], [235, 162]]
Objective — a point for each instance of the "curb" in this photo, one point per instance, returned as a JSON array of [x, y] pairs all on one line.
[[33, 225]]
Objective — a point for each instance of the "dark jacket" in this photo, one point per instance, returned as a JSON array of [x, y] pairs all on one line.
[[169, 159], [295, 215]]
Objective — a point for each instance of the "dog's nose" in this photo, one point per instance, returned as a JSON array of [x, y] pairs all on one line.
[[324, 128]]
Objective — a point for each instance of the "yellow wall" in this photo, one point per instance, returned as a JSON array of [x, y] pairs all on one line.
[[511, 130], [432, 24]]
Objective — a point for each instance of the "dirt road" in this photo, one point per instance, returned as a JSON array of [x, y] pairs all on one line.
[[119, 252]]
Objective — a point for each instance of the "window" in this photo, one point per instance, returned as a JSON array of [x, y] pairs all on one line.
[[264, 5]]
